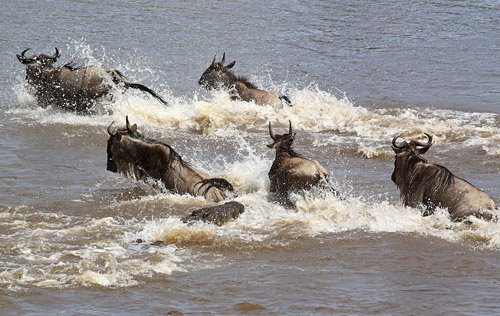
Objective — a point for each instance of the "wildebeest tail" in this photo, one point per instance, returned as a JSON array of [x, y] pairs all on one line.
[[219, 183], [286, 100], [146, 89]]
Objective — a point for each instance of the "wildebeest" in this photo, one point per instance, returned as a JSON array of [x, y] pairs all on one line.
[[432, 185], [217, 214], [72, 88], [291, 171], [131, 154], [217, 75]]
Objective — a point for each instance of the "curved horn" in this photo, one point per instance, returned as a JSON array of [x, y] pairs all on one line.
[[24, 59], [223, 58], [127, 123], [24, 52], [289, 127], [109, 130], [396, 145], [271, 131], [425, 145], [213, 61], [56, 55]]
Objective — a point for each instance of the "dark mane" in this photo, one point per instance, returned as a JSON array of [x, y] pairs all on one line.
[[293, 153], [414, 159], [173, 153], [290, 151], [241, 79], [443, 177], [245, 81], [438, 179]]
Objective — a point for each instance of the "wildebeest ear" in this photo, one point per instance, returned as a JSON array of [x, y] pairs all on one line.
[[423, 150], [229, 66], [396, 149], [134, 128]]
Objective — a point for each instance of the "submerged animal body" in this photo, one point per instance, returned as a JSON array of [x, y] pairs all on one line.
[[218, 214], [140, 158], [72, 88], [432, 185], [291, 171], [218, 75]]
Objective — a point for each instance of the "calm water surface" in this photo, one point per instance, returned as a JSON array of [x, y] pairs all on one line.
[[358, 74]]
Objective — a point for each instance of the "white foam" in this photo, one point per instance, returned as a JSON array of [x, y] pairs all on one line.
[[314, 111], [87, 252], [317, 213]]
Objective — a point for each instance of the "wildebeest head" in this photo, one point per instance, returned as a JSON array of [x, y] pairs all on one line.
[[41, 59], [407, 155], [217, 74], [35, 65], [282, 142], [118, 157]]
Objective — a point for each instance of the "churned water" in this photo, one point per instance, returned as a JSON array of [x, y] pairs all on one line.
[[358, 74]]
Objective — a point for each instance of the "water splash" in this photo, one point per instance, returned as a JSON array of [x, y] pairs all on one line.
[[313, 111]]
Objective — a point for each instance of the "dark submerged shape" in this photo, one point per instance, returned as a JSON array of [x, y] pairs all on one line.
[[432, 185], [72, 88], [218, 214], [291, 171], [141, 158], [219, 76]]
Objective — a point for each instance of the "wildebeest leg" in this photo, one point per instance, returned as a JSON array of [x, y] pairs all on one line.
[[325, 185], [234, 94], [427, 212], [42, 100], [461, 213], [281, 198], [429, 207], [335, 193], [220, 183]]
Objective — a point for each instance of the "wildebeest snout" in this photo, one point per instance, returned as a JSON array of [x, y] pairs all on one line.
[[111, 165]]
